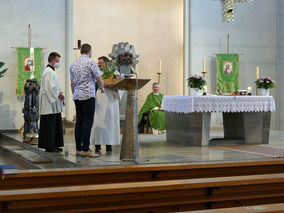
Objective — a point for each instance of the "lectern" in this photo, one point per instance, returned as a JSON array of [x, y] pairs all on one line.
[[129, 147]]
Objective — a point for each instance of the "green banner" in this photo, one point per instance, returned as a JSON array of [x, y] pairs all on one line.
[[227, 73], [25, 62]]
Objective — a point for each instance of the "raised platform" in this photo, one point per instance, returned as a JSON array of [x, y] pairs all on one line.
[[153, 149]]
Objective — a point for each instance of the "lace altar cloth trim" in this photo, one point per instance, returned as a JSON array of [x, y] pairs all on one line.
[[189, 104]]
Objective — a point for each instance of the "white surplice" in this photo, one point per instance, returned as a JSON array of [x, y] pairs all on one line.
[[50, 89], [106, 126]]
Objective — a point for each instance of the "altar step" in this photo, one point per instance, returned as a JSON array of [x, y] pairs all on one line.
[[30, 157]]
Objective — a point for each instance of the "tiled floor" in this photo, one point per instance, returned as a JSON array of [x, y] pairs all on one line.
[[155, 149]]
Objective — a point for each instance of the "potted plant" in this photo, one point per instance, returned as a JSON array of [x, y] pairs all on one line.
[[264, 84], [195, 83], [3, 71]]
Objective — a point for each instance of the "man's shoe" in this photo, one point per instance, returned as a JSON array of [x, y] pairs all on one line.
[[89, 154], [108, 148], [59, 149], [52, 150], [78, 153], [98, 148]]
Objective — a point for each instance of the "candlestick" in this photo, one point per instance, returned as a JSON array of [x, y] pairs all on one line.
[[257, 72], [203, 65], [160, 66], [203, 72]]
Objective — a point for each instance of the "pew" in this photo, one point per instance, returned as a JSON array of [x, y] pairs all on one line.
[[149, 196], [135, 173]]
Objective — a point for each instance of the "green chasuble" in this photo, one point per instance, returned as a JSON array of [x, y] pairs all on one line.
[[157, 118]]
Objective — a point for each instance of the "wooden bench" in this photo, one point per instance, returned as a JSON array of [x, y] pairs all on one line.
[[149, 196], [135, 173], [270, 208]]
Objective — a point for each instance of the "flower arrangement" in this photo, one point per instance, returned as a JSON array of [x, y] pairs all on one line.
[[265, 83], [196, 81], [108, 71]]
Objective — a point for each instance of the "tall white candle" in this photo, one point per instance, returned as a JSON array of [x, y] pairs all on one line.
[[203, 65], [160, 66], [257, 72], [32, 66]]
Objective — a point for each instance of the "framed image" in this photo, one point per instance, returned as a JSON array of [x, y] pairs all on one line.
[[227, 75], [228, 67]]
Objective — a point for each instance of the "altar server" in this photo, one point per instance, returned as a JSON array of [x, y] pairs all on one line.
[[152, 105], [106, 127], [51, 106]]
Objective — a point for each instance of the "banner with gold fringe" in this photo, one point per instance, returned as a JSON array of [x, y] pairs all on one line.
[[25, 63], [227, 77]]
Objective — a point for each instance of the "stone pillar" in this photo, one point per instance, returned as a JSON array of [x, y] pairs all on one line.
[[186, 44], [129, 147], [68, 57], [188, 129]]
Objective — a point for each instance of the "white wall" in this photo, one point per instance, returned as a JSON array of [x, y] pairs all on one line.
[[47, 19], [154, 27], [280, 62], [253, 33]]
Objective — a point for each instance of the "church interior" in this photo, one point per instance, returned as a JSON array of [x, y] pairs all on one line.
[[153, 106]]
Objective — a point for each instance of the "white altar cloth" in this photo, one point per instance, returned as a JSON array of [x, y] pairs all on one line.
[[214, 103]]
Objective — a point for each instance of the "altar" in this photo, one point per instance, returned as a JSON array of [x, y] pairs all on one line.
[[246, 119]]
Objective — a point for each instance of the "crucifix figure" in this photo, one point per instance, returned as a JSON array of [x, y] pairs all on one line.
[[228, 9]]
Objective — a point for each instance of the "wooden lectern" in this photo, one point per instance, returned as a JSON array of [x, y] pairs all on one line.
[[129, 147]]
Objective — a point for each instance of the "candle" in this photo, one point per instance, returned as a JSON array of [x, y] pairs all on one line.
[[249, 89], [257, 72], [203, 65], [160, 66], [32, 68], [205, 89], [79, 43]]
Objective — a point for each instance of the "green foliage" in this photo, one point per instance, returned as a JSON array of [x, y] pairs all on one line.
[[196, 81], [3, 71], [265, 83], [108, 71]]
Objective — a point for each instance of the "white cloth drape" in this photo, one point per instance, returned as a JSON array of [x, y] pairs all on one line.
[[106, 126], [49, 92], [189, 104]]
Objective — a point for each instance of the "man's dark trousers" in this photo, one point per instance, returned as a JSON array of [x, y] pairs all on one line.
[[84, 121]]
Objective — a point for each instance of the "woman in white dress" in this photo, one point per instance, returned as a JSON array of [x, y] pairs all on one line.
[[106, 126]]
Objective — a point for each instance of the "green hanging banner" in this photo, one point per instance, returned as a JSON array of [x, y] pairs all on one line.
[[25, 63], [227, 77]]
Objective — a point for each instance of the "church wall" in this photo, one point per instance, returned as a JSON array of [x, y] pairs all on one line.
[[154, 27], [280, 62], [253, 33], [47, 19]]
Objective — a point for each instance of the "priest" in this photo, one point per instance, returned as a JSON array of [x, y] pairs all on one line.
[[51, 107], [152, 106], [106, 126]]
